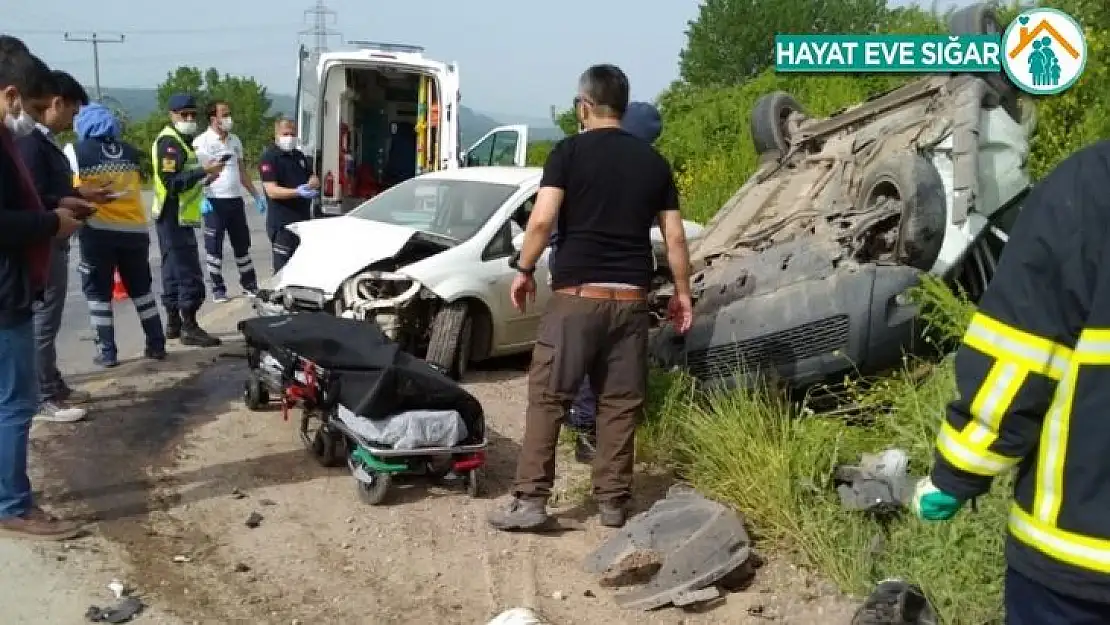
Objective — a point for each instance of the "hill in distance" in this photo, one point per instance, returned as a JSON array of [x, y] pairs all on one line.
[[140, 103]]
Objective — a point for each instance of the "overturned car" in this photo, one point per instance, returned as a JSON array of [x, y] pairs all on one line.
[[803, 274], [428, 261]]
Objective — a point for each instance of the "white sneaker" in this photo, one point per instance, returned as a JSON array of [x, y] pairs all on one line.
[[59, 412], [220, 298]]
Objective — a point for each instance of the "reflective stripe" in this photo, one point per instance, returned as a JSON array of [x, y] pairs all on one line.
[[143, 301], [100, 306], [1092, 348], [994, 398], [957, 451], [101, 321], [1083, 552], [146, 313], [1007, 343], [243, 261]]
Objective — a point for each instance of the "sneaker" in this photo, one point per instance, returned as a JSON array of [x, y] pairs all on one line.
[[60, 411], [612, 514], [38, 525], [220, 297], [73, 396], [250, 291], [105, 360], [520, 514], [155, 353]]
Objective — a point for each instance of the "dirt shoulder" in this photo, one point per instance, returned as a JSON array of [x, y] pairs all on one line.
[[173, 468]]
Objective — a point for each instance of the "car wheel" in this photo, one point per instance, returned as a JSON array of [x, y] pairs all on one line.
[[450, 346], [771, 122], [910, 180]]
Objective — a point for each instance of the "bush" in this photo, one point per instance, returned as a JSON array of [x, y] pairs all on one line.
[[773, 460]]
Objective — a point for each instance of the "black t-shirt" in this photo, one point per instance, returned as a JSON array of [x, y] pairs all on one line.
[[614, 184], [288, 170]]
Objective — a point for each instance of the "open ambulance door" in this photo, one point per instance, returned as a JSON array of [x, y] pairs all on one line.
[[307, 109], [504, 145]]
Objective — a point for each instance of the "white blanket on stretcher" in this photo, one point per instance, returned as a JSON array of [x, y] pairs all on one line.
[[411, 429]]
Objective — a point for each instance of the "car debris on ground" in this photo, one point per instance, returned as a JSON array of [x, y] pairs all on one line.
[[896, 602], [517, 616], [675, 552], [879, 484], [123, 611]]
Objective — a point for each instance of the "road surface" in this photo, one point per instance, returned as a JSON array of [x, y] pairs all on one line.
[[75, 340]]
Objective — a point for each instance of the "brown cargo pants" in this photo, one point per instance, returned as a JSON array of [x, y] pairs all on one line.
[[607, 339]]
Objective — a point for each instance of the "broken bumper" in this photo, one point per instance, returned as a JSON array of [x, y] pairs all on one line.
[[856, 319]]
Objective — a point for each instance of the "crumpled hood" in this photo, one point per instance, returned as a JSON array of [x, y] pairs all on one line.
[[335, 248]]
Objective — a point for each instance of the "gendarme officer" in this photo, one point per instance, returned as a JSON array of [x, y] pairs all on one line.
[[178, 195]]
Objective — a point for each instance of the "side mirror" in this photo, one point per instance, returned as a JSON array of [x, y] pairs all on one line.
[[518, 242]]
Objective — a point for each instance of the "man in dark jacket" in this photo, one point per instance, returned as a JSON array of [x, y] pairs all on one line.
[[53, 180], [27, 232]]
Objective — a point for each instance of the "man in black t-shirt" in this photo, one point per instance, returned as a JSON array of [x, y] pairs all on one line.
[[289, 185], [603, 188]]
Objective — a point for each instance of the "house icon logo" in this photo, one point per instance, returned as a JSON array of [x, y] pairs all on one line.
[[1044, 51]]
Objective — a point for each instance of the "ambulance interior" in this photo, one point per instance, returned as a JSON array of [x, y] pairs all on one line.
[[388, 131]]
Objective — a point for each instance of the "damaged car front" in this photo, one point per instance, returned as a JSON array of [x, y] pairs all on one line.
[[389, 260], [804, 274]]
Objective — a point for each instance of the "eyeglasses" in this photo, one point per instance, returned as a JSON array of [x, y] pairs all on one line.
[[582, 100]]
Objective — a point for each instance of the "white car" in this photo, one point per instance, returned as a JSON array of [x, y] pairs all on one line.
[[428, 260]]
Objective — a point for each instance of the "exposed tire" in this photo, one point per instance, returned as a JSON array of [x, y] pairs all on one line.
[[912, 180], [373, 493], [255, 395], [770, 114], [328, 447], [981, 19], [450, 346]]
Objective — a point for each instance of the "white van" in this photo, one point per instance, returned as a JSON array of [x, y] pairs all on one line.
[[379, 115]]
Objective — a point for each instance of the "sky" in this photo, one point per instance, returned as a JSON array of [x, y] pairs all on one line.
[[516, 59]]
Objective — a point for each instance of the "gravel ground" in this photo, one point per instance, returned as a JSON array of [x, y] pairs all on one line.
[[174, 464]]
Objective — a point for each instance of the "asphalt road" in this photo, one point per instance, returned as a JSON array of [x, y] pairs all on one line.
[[75, 344]]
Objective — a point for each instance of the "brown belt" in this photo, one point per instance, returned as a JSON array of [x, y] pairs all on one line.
[[601, 292]]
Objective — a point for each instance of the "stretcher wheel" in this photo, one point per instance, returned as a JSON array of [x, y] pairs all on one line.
[[255, 395], [373, 492], [474, 483], [327, 447]]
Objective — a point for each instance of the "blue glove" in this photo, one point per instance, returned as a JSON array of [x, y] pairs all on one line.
[[932, 504], [260, 203], [205, 207], [307, 192]]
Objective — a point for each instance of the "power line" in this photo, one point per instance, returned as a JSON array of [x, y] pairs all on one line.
[[157, 31], [95, 40], [319, 30]]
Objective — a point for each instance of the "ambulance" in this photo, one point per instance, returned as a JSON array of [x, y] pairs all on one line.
[[375, 116]]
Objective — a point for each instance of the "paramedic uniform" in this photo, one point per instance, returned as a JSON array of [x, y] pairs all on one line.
[[288, 170], [1033, 378], [227, 215], [115, 238]]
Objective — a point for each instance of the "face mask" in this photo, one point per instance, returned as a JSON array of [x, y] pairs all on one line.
[[20, 125], [225, 124], [287, 143], [185, 128]]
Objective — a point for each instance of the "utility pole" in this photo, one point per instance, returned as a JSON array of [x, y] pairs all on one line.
[[95, 40], [320, 13]]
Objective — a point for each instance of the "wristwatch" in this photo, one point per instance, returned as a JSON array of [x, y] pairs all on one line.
[[514, 262]]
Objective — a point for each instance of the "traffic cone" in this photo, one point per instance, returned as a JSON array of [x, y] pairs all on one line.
[[118, 291]]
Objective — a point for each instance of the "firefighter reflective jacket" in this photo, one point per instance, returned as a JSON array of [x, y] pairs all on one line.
[[1033, 374]]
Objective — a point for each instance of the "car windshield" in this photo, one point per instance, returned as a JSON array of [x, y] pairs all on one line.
[[455, 209]]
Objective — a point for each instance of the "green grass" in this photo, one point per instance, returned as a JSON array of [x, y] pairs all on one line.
[[773, 459]]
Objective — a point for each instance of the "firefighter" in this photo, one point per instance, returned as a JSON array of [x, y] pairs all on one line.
[[1027, 374], [178, 195]]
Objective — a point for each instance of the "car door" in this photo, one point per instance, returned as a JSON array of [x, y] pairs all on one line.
[[513, 327], [504, 145]]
